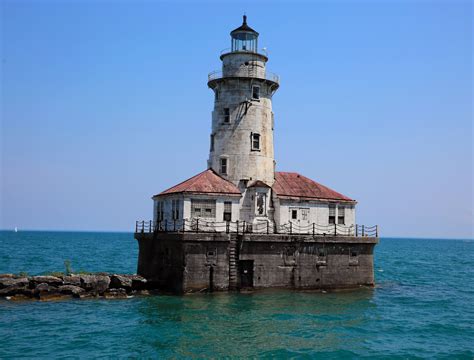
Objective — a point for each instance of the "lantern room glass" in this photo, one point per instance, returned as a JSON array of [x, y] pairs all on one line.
[[244, 41]]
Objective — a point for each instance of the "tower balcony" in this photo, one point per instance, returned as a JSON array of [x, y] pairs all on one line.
[[268, 76]]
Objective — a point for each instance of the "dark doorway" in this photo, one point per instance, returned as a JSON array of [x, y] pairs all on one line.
[[246, 273]]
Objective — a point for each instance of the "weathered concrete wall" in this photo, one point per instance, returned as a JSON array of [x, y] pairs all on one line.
[[297, 262]]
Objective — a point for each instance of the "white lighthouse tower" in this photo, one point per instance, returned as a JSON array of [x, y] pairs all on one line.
[[241, 141], [242, 121]]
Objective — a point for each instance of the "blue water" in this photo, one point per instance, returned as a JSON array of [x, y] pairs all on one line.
[[423, 306]]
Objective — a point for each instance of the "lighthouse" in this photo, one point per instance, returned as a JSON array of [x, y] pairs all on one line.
[[241, 148], [240, 223]]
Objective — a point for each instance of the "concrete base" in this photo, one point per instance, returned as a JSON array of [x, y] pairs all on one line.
[[193, 262]]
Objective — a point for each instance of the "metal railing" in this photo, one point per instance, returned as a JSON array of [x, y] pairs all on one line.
[[264, 227], [268, 76], [262, 51]]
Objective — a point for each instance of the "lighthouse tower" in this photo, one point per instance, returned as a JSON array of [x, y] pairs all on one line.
[[241, 143]]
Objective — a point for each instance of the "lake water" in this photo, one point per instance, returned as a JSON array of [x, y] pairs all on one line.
[[422, 306]]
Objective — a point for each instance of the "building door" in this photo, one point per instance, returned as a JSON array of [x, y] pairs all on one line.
[[246, 273]]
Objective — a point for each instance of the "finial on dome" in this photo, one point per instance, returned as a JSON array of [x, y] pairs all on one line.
[[245, 20]]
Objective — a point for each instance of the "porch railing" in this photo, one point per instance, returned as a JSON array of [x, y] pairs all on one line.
[[264, 227]]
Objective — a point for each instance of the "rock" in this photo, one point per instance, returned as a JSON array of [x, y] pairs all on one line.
[[9, 281], [115, 294], [138, 282], [72, 280], [50, 280], [16, 289], [45, 291], [73, 290], [19, 297], [120, 281], [95, 283], [11, 276]]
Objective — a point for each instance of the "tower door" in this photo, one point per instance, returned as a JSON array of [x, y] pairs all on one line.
[[246, 273]]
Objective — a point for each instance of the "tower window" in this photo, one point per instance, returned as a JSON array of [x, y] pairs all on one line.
[[226, 115], [223, 166], [212, 142], [332, 214], [256, 92], [216, 95], [255, 141]]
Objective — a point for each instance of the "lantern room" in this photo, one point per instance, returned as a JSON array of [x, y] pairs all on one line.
[[244, 38]]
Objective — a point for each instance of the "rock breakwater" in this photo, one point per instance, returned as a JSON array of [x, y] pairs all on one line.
[[17, 287]]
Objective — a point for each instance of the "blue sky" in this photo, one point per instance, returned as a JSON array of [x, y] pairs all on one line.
[[105, 103]]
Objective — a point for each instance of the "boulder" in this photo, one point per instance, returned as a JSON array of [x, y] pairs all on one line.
[[50, 280], [10, 281], [16, 289], [95, 283], [43, 290], [72, 280], [120, 281], [138, 282], [73, 290], [115, 294]]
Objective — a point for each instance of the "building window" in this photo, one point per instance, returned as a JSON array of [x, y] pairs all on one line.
[[203, 208], [217, 95], [255, 141], [341, 215], [227, 211], [226, 115], [212, 142], [273, 120], [294, 214], [175, 209], [255, 92], [159, 211], [223, 166], [332, 214], [304, 214]]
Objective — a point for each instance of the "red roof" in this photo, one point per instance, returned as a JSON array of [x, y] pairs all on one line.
[[294, 185], [206, 182]]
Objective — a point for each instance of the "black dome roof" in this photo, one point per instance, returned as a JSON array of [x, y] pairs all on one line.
[[244, 28]]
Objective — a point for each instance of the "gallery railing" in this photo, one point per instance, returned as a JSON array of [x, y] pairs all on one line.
[[264, 227]]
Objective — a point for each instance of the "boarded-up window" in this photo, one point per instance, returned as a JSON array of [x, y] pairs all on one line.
[[304, 214], [332, 214], [227, 211], [203, 208], [341, 215]]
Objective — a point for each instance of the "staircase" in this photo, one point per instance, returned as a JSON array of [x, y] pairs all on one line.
[[233, 258]]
